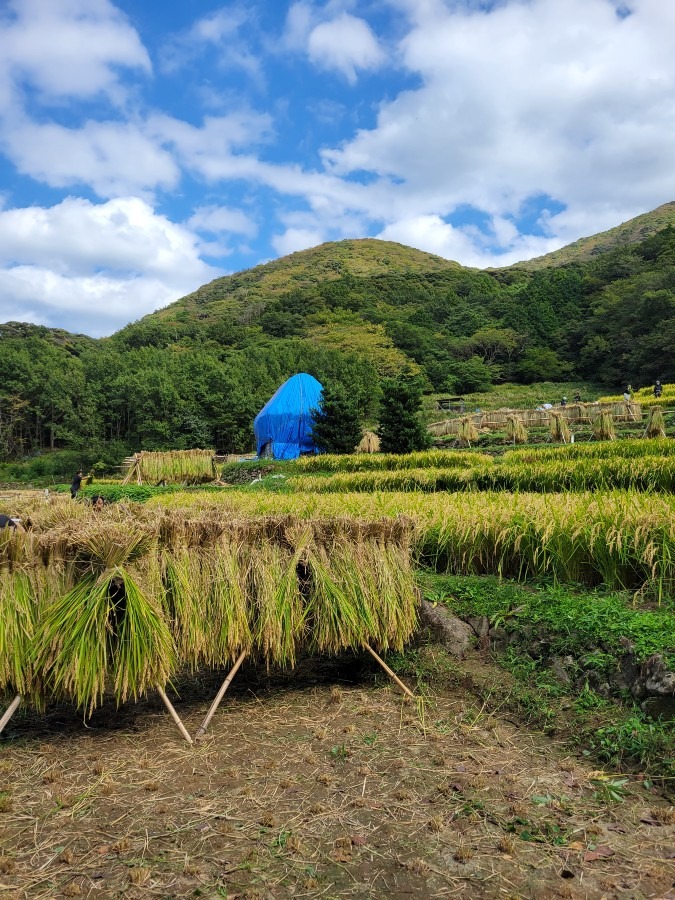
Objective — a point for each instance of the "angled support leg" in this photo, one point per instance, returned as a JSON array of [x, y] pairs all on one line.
[[390, 672], [174, 715], [219, 696], [9, 712]]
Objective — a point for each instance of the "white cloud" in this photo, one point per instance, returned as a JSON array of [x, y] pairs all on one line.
[[113, 158], [528, 99], [433, 234], [220, 29], [94, 267], [345, 43], [294, 239], [222, 220], [66, 48]]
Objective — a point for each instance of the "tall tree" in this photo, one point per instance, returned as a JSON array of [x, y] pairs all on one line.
[[337, 424], [401, 430]]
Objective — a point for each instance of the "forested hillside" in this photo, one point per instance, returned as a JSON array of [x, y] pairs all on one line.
[[196, 373]]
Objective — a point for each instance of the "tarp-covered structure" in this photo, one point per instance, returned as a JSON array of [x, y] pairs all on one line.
[[283, 427]]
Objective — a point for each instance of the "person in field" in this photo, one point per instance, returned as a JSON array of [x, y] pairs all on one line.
[[658, 389], [9, 522], [76, 483]]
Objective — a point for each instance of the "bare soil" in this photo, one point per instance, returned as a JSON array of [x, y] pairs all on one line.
[[317, 791]]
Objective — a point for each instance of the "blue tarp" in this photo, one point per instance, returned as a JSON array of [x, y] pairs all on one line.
[[283, 427]]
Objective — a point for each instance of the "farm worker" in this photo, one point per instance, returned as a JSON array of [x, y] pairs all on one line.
[[98, 503], [657, 389], [577, 397], [76, 483], [563, 402], [626, 396], [9, 522]]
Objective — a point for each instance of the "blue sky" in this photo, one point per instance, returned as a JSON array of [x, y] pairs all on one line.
[[148, 148]]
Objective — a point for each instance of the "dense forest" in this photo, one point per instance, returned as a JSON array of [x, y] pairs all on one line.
[[350, 313]]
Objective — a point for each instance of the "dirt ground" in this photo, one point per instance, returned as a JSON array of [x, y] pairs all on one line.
[[322, 790]]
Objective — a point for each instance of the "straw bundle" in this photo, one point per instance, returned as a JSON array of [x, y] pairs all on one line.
[[656, 426], [173, 467], [369, 443], [603, 427], [467, 431], [559, 429], [516, 432]]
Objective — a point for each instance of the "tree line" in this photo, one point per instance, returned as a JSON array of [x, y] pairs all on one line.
[[197, 374]]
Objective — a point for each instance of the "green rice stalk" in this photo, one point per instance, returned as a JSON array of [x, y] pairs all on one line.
[[279, 608], [143, 648], [18, 614], [187, 593]]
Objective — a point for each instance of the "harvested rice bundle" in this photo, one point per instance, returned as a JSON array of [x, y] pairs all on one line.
[[516, 432], [656, 426], [467, 431], [187, 590], [397, 601], [339, 617], [603, 427], [279, 608], [559, 429], [108, 629], [228, 605], [18, 614], [176, 466]]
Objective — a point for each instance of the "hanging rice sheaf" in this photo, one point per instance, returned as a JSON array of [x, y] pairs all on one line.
[[103, 605], [175, 467]]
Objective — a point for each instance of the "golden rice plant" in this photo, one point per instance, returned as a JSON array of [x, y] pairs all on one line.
[[422, 459], [603, 426], [622, 448], [559, 429], [656, 426], [516, 432]]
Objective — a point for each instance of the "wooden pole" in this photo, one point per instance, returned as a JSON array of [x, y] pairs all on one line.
[[389, 672], [174, 715], [219, 696], [9, 712]]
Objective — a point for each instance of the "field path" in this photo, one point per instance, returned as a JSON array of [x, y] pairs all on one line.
[[318, 792]]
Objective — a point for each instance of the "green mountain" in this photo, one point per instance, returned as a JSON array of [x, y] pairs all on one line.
[[631, 232], [350, 313]]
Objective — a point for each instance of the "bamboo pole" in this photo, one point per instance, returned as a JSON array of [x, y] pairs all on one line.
[[389, 671], [174, 715], [219, 696], [9, 712]]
